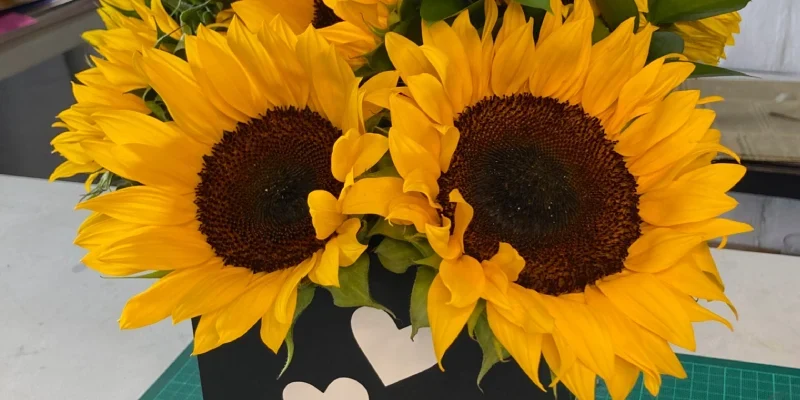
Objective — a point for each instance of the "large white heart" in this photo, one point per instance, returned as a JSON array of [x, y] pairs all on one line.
[[389, 350], [340, 389]]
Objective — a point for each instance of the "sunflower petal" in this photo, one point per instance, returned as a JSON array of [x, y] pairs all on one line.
[[161, 298], [525, 347], [446, 321], [236, 318], [652, 305], [325, 214], [143, 205], [218, 289], [464, 279]]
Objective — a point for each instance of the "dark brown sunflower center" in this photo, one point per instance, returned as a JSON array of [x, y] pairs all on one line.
[[542, 177], [323, 15], [252, 197]]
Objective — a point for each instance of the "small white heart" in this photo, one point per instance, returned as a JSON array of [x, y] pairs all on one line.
[[390, 351], [340, 389]]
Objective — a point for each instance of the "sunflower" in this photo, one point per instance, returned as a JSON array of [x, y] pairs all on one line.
[[575, 188], [704, 40], [106, 86], [354, 26], [247, 192]]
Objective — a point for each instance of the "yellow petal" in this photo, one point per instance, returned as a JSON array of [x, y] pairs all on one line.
[[172, 78], [509, 260], [287, 296], [524, 347], [325, 214], [652, 305], [584, 333], [354, 153], [688, 279], [412, 208], [372, 196], [219, 289], [698, 313], [158, 301], [236, 88], [703, 259], [206, 337], [721, 177], [624, 379], [333, 81], [350, 249], [406, 56], [159, 247], [423, 181], [446, 320], [683, 203], [496, 289], [143, 205], [609, 69], [446, 54], [429, 93], [326, 270], [536, 318], [242, 313], [464, 279], [512, 64], [273, 331], [561, 61], [660, 248], [106, 230], [580, 380], [69, 168]]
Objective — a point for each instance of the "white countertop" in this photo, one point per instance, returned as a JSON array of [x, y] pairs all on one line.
[[59, 337], [60, 340]]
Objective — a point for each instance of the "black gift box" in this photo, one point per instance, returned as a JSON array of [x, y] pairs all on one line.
[[327, 351]]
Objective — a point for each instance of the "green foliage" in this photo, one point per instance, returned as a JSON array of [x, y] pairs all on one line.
[[353, 290], [419, 299], [541, 4], [708, 71], [600, 30], [397, 255], [615, 12], [671, 11], [437, 10], [664, 43], [149, 275], [493, 351]]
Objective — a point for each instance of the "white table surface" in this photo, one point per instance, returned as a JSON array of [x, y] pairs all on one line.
[[59, 337]]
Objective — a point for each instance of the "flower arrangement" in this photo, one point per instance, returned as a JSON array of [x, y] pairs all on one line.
[[531, 160]]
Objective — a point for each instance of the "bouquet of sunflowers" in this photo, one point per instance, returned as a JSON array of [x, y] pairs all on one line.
[[529, 161]]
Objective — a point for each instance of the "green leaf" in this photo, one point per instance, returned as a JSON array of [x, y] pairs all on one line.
[[377, 61], [600, 30], [709, 71], [397, 255], [493, 351], [437, 10], [473, 318], [409, 9], [671, 11], [664, 43], [305, 293], [615, 12], [542, 4], [353, 290], [419, 299], [149, 275], [433, 261], [396, 231]]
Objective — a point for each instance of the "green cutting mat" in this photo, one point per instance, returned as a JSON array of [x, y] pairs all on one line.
[[709, 379]]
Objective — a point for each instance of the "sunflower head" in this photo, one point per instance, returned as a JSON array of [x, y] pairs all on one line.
[[355, 27], [575, 189], [249, 193]]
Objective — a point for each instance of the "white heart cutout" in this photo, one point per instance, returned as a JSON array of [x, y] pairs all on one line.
[[340, 389], [390, 351]]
